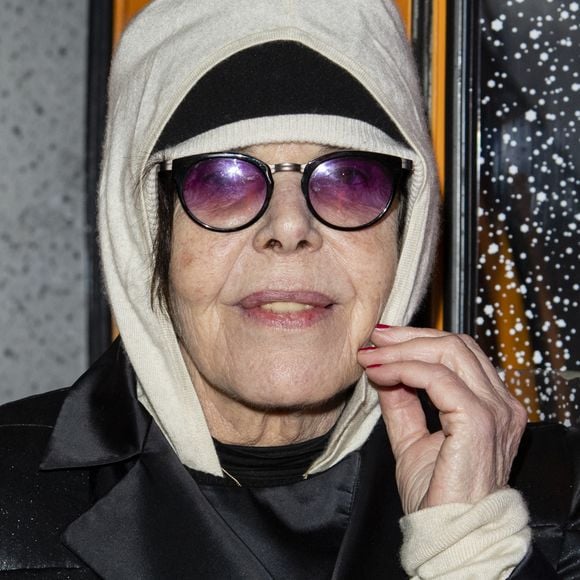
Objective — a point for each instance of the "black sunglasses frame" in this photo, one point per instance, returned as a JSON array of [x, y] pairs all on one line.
[[177, 170]]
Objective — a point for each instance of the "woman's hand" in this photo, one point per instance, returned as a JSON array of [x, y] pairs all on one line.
[[482, 423]]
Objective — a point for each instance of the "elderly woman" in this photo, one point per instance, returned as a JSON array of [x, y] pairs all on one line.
[[268, 213]]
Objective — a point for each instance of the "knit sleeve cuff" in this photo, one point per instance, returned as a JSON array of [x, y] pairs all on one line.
[[456, 541]]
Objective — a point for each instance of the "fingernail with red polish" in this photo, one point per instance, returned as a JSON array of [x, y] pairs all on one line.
[[367, 348], [382, 326]]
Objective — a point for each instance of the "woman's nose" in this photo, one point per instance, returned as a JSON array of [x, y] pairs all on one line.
[[287, 225]]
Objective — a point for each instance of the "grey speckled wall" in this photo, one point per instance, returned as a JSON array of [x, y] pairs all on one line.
[[43, 309]]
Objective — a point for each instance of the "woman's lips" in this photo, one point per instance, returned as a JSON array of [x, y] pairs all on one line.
[[287, 309]]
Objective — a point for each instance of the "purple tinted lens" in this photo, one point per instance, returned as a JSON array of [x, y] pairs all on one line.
[[224, 192], [351, 191]]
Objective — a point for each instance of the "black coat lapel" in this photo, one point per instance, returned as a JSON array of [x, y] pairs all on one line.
[[100, 421], [155, 524], [371, 545], [150, 520]]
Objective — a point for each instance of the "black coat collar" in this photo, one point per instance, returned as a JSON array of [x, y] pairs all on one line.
[[101, 421], [151, 521]]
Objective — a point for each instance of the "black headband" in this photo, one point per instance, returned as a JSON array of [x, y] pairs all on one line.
[[276, 78]]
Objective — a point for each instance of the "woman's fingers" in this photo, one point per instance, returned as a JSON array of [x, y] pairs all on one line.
[[445, 388], [458, 352], [461, 464], [481, 422], [462, 357], [403, 416]]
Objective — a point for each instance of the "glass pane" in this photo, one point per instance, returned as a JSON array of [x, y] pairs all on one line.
[[529, 215]]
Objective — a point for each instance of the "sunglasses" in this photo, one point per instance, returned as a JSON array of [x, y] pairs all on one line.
[[345, 190]]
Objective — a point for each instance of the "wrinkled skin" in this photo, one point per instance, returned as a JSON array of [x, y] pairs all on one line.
[[482, 423], [265, 383], [273, 383]]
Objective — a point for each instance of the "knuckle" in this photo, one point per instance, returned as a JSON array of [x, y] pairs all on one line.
[[483, 419], [442, 373], [516, 412], [455, 341], [465, 338], [470, 343], [515, 420], [454, 346], [487, 417], [520, 413]]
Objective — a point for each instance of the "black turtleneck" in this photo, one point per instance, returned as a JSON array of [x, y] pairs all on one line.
[[268, 466], [294, 526]]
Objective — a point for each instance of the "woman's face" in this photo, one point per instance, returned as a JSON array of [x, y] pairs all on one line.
[[272, 316]]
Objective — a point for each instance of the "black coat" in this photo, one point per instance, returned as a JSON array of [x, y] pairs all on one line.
[[111, 499]]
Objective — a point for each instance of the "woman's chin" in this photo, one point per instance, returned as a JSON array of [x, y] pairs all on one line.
[[293, 391], [289, 400], [277, 376]]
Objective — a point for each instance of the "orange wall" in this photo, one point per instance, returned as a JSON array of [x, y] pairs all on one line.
[[406, 9], [123, 11]]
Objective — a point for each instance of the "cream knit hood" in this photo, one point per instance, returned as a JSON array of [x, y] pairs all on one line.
[[163, 53]]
